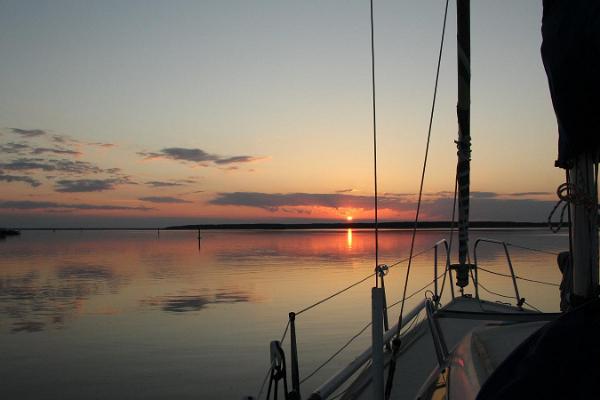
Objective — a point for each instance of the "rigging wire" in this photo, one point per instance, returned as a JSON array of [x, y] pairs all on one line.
[[532, 249], [359, 282], [336, 353], [374, 142], [392, 366], [518, 277], [451, 235], [363, 329], [413, 294], [419, 201], [495, 293]]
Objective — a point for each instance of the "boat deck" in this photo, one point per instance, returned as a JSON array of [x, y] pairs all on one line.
[[417, 358]]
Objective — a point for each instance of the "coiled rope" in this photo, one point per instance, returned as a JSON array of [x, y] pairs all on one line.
[[569, 193]]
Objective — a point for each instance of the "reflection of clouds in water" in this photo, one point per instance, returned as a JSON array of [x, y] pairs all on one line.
[[31, 302], [27, 326], [196, 302], [93, 272]]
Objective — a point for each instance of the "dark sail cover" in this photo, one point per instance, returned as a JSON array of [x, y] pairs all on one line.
[[559, 361], [571, 55]]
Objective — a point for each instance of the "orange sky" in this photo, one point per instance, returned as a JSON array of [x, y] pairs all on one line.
[[129, 114]]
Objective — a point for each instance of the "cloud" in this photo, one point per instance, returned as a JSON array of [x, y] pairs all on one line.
[[104, 145], [26, 179], [183, 154], [238, 159], [483, 195], [198, 156], [349, 190], [23, 148], [64, 139], [274, 201], [171, 183], [14, 148], [42, 150], [484, 205], [63, 165], [87, 185], [158, 184], [193, 192], [49, 205], [28, 133], [525, 194], [163, 199]]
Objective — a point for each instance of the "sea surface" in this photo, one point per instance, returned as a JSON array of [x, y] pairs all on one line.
[[149, 315]]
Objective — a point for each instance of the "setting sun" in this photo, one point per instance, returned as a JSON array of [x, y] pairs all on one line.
[[349, 218]]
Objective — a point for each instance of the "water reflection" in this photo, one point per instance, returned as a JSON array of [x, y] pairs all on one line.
[[186, 303], [147, 312], [33, 301]]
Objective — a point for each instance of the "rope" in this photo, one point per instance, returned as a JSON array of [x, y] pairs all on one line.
[[569, 193], [374, 140], [559, 191], [392, 368], [518, 277]]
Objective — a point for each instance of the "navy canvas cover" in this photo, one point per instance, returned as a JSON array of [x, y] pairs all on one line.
[[559, 361], [571, 56]]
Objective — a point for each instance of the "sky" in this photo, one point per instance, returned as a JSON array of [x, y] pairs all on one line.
[[154, 113]]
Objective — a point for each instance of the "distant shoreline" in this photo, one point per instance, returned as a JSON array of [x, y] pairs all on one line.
[[318, 225], [362, 225]]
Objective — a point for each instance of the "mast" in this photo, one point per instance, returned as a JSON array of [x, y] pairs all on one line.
[[584, 227], [571, 36], [463, 111]]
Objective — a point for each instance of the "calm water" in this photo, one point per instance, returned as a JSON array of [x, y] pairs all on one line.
[[129, 314]]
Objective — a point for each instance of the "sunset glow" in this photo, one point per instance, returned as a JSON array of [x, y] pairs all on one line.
[[170, 115]]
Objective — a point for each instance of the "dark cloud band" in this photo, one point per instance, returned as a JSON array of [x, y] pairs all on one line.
[[49, 205]]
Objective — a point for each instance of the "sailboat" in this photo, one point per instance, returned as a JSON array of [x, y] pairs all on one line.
[[471, 348]]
